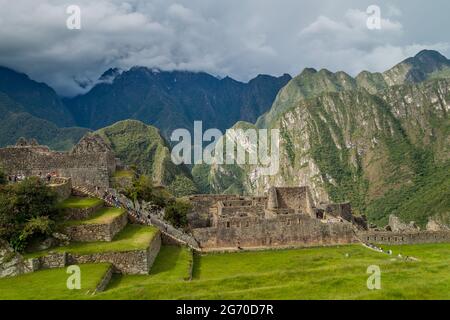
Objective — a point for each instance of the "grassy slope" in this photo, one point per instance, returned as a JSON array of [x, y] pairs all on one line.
[[316, 273], [79, 203], [132, 237], [319, 273], [103, 216], [51, 284]]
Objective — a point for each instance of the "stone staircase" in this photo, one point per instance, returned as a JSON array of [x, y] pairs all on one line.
[[99, 232], [138, 216]]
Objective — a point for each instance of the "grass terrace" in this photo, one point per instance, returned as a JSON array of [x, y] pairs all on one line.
[[51, 284], [131, 238], [124, 174], [79, 203], [313, 273], [102, 216]]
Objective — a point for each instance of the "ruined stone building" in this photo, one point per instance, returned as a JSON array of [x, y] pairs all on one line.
[[284, 217], [90, 162]]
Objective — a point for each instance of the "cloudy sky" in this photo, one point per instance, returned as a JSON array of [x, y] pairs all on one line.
[[239, 38]]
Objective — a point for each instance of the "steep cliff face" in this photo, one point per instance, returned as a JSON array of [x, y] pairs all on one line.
[[383, 147], [172, 100]]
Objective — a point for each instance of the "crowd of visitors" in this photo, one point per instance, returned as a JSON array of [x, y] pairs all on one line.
[[21, 177]]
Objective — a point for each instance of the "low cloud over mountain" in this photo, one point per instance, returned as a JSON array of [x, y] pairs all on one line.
[[240, 39]]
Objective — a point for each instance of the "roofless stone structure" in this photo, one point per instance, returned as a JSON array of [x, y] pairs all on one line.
[[90, 162]]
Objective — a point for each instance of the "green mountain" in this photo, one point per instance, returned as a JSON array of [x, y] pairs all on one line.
[[36, 98], [383, 146], [427, 64], [140, 145], [15, 123], [171, 100]]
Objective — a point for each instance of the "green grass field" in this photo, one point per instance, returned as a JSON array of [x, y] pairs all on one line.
[[52, 284], [316, 273], [79, 203], [124, 174], [102, 216], [132, 237]]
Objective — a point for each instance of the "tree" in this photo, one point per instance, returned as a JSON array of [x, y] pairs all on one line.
[[3, 178], [176, 213], [143, 190], [182, 186], [26, 212]]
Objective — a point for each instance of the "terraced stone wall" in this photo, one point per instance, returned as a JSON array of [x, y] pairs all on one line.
[[127, 262], [96, 232], [398, 238]]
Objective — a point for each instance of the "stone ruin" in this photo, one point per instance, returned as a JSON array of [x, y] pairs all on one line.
[[284, 217], [398, 232], [90, 162]]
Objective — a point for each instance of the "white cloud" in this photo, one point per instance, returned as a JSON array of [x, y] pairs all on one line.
[[236, 38]]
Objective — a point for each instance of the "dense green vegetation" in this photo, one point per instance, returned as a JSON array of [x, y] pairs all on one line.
[[429, 196], [176, 213], [27, 211], [142, 146], [3, 178], [142, 189], [16, 122], [315, 273], [176, 210]]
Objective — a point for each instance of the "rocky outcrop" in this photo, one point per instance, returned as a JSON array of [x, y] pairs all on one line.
[[395, 225], [91, 143], [11, 263], [355, 143], [435, 225]]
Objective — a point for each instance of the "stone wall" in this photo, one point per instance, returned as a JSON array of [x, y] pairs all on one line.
[[62, 187], [11, 263], [298, 199], [398, 238], [85, 164], [244, 210], [96, 232], [127, 262], [101, 286], [53, 260], [80, 213], [287, 230], [339, 210]]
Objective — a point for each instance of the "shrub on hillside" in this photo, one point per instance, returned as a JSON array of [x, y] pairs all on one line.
[[26, 212], [3, 178], [182, 186], [143, 190], [176, 213]]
